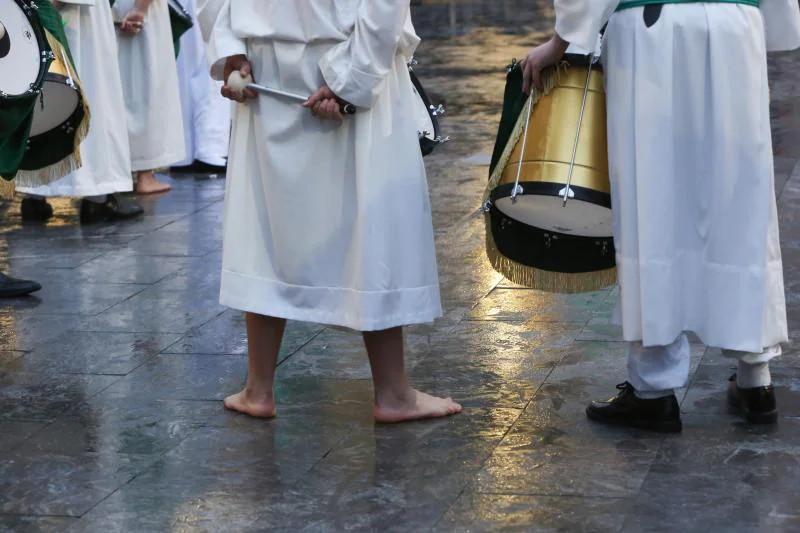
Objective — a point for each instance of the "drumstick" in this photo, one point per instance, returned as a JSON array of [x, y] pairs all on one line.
[[238, 83]]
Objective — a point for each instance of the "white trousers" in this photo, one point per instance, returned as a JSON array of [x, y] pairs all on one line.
[[665, 368]]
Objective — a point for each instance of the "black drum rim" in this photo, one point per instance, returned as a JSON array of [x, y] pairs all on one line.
[[549, 250], [44, 49], [549, 188], [426, 145], [55, 144]]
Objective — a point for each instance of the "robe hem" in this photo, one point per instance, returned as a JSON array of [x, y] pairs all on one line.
[[159, 162], [240, 291]]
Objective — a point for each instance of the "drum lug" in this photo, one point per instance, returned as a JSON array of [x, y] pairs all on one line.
[[487, 206], [441, 140], [548, 240], [437, 111], [412, 63], [516, 192], [566, 192]]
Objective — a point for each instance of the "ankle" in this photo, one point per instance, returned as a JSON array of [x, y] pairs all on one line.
[[753, 375], [258, 393], [395, 395]]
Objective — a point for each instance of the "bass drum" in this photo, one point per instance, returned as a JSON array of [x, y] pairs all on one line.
[[534, 238]]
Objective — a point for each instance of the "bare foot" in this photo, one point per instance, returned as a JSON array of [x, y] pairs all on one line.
[[249, 404], [148, 184], [416, 406]]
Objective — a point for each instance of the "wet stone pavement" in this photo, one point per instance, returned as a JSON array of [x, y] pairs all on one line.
[[111, 377]]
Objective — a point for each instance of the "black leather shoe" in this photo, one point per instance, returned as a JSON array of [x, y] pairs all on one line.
[[199, 167], [627, 409], [112, 209], [36, 209], [13, 287], [757, 404]]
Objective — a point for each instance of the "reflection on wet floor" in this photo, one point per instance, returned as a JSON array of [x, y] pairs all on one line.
[[111, 377]]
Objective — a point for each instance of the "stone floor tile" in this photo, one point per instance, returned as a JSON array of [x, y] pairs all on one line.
[[35, 483], [226, 335], [508, 513], [86, 352], [39, 397]]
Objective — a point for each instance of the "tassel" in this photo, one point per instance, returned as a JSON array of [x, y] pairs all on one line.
[[7, 189], [545, 280]]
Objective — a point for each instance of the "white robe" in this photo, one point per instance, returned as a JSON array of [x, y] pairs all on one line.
[[691, 166], [105, 154], [150, 87], [326, 222], [206, 114]]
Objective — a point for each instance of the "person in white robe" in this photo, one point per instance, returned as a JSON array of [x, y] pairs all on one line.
[[691, 167], [105, 155], [206, 114], [327, 219], [150, 87]]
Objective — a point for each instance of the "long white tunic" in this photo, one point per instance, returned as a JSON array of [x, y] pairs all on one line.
[[206, 114], [150, 87], [105, 153], [690, 158], [326, 222]]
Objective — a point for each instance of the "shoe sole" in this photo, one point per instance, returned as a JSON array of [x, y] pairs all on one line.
[[670, 426], [756, 419], [19, 293]]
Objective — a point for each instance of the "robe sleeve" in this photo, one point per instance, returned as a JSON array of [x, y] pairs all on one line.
[[781, 24], [214, 18], [579, 21], [356, 68]]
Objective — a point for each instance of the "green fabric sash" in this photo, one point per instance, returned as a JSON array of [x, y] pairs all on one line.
[[180, 22], [16, 113], [627, 4], [514, 101]]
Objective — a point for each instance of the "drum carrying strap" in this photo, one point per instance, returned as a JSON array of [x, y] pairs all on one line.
[[628, 4]]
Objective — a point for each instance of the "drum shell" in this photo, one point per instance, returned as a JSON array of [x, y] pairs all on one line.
[[551, 135]]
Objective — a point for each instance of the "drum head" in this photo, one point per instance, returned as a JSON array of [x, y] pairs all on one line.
[[427, 123], [579, 218], [58, 102], [21, 66]]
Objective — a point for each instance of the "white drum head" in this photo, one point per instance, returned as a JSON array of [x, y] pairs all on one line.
[[20, 66], [422, 117], [59, 102], [582, 219]]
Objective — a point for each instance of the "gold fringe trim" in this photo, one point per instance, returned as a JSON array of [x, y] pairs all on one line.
[[545, 280], [7, 189], [71, 163], [83, 128], [550, 79]]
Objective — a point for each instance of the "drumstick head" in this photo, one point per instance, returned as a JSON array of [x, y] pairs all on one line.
[[237, 83]]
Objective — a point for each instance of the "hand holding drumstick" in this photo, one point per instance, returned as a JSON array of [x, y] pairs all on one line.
[[239, 86]]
